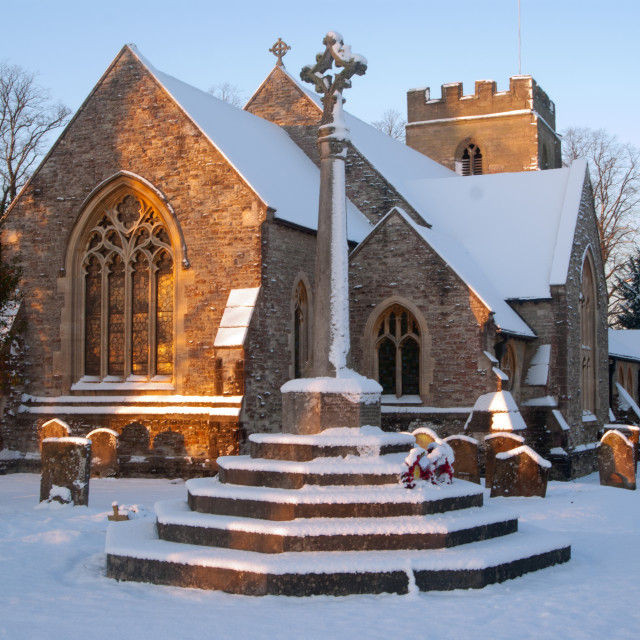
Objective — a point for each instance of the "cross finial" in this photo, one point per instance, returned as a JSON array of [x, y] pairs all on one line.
[[279, 50], [338, 53]]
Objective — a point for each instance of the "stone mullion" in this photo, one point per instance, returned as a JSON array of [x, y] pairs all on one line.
[[104, 323], [153, 314], [398, 365], [128, 319]]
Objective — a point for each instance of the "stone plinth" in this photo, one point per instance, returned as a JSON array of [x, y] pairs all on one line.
[[520, 472], [66, 463], [616, 461], [311, 405]]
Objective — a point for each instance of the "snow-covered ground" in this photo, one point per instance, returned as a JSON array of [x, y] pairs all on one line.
[[53, 584]]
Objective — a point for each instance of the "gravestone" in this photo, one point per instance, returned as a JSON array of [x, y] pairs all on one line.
[[53, 429], [616, 461], [104, 453], [66, 464], [520, 472], [493, 445], [631, 432], [465, 450]]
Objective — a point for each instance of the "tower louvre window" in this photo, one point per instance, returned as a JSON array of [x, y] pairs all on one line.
[[471, 161]]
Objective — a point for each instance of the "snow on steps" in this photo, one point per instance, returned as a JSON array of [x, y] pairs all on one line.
[[257, 530], [134, 552], [209, 495], [176, 522]]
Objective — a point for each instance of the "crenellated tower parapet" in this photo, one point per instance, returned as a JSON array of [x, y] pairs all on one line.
[[490, 130]]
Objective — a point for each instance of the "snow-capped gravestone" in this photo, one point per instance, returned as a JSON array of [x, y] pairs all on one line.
[[465, 450], [616, 461], [493, 445], [520, 472], [104, 452], [66, 464], [53, 428], [333, 396]]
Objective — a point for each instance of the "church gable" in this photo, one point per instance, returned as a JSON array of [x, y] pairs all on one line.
[[395, 267], [282, 102], [131, 135]]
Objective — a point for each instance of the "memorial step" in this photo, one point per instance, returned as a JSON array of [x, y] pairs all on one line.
[[209, 495], [328, 444], [287, 474], [177, 523], [134, 552]]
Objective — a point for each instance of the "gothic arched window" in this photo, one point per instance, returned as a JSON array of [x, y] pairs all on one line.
[[300, 330], [470, 162], [588, 354], [397, 350], [127, 267], [509, 365]]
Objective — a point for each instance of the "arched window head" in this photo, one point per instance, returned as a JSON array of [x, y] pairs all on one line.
[[509, 366], [470, 161], [588, 351], [127, 268], [397, 349], [300, 330]]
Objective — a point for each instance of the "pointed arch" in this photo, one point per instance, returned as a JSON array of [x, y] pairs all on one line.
[[121, 260], [588, 341], [398, 348], [469, 159], [300, 326]]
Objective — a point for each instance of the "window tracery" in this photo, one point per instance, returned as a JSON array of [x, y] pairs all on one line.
[[128, 271], [397, 349], [471, 160]]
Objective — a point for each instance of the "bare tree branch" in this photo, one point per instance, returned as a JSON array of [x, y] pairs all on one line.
[[615, 176], [26, 118], [392, 123], [228, 92]]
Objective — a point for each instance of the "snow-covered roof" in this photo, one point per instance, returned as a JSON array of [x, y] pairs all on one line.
[[268, 160], [624, 343], [518, 226]]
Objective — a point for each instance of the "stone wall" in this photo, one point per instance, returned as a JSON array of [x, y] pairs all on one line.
[[396, 265], [288, 256], [130, 124]]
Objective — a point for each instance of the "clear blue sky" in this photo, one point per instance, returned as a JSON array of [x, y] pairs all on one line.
[[583, 53]]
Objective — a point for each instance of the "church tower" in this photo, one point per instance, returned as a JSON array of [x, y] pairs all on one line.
[[488, 132]]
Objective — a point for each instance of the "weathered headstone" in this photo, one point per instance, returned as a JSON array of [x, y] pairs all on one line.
[[494, 444], [631, 432], [465, 450], [616, 461], [66, 463], [520, 472], [104, 452], [54, 428]]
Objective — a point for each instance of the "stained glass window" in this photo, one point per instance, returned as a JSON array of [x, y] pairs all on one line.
[[398, 352], [128, 293]]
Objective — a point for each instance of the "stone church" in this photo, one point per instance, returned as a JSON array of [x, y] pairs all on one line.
[[167, 243]]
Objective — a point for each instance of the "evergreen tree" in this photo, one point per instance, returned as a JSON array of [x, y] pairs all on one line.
[[628, 313]]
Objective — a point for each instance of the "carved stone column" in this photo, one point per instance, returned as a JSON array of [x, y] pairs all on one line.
[[333, 396]]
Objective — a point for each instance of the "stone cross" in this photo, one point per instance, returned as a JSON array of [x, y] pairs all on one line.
[[279, 50], [331, 343]]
